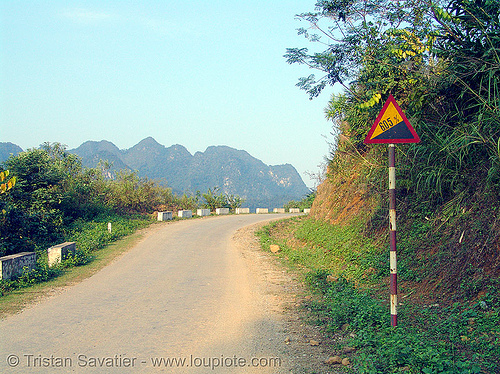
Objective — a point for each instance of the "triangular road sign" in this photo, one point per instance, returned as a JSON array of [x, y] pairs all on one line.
[[392, 126]]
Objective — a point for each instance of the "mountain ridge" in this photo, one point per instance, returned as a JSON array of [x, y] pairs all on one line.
[[233, 171], [7, 149]]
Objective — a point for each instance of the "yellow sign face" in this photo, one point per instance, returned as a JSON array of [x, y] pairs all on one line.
[[392, 126], [389, 119]]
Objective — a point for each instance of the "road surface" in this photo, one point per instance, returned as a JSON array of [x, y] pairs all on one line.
[[183, 300]]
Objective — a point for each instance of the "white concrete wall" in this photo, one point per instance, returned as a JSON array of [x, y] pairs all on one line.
[[262, 210], [185, 214], [13, 265], [60, 252], [165, 216], [242, 210], [222, 211], [203, 212]]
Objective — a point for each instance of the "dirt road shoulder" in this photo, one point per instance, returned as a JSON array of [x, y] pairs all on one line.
[[306, 347]]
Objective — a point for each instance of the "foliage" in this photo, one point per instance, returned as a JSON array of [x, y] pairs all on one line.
[[33, 215], [305, 203], [341, 250], [441, 62], [53, 190], [131, 194], [345, 304], [347, 251], [94, 235], [56, 200], [460, 338], [9, 184], [460, 147], [359, 34], [234, 201], [215, 199]]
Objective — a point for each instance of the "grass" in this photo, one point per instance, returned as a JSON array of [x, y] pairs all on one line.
[[348, 272], [339, 250]]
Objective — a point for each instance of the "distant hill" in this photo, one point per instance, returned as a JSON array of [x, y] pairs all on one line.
[[233, 171], [8, 149], [92, 152]]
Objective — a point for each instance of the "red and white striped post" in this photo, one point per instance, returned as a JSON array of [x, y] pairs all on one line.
[[392, 235], [390, 127]]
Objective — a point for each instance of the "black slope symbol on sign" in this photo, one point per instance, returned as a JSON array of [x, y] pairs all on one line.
[[400, 131]]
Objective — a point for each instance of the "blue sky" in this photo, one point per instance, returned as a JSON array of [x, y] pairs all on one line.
[[196, 73]]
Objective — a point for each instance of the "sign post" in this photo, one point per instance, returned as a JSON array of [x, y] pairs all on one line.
[[392, 235], [391, 127]]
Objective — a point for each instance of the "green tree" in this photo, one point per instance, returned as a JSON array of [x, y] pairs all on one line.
[[372, 48], [32, 209], [234, 201], [52, 190], [357, 34], [305, 203], [214, 199], [129, 193], [440, 62]]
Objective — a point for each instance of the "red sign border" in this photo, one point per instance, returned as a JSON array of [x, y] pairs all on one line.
[[390, 99]]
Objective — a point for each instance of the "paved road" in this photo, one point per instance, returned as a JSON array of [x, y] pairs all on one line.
[[185, 291]]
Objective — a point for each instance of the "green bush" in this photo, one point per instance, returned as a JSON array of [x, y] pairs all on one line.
[[305, 203], [54, 193], [458, 339]]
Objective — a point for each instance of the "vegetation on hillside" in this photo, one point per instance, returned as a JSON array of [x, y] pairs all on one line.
[[441, 61], [233, 171], [53, 191], [347, 272]]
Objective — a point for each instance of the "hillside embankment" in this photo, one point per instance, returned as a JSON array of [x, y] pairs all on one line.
[[448, 268], [447, 254], [441, 63]]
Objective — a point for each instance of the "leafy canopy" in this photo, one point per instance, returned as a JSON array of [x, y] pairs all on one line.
[[355, 33]]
